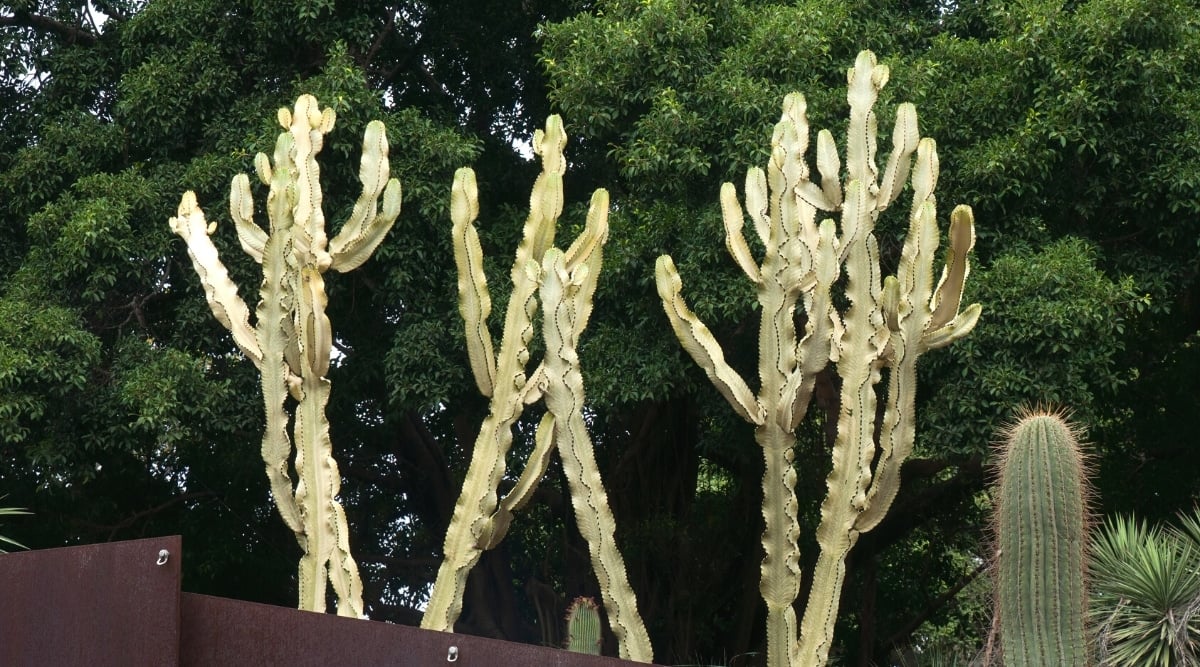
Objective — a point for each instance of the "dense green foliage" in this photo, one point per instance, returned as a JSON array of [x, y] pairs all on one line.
[[1073, 129]]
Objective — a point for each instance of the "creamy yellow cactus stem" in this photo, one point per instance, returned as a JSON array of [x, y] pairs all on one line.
[[888, 323], [565, 283], [291, 337]]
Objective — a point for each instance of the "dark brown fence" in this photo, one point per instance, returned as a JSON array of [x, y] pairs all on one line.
[[120, 604]]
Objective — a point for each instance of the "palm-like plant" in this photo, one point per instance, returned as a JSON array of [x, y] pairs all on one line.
[[10, 511], [1145, 602]]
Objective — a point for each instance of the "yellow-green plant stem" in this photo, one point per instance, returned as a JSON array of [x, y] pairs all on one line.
[[888, 324], [566, 282], [562, 295], [501, 377], [291, 339]]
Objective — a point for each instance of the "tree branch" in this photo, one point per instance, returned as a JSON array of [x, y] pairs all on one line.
[[72, 34], [902, 635], [110, 10], [913, 506], [388, 27], [151, 511], [433, 491]]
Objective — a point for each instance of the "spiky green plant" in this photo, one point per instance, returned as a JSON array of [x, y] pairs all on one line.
[[583, 626], [887, 324], [1145, 605], [11, 511], [292, 338], [1041, 528]]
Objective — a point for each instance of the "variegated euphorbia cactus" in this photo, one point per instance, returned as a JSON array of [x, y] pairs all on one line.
[[888, 323], [565, 283], [291, 338]]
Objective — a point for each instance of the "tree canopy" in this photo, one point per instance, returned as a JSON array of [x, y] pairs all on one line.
[[1071, 128]]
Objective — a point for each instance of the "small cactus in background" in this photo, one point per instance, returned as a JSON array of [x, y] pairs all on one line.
[[1041, 531], [583, 626]]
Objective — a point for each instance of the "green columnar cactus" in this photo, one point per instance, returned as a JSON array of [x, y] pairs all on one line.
[[291, 338], [566, 283], [583, 626], [887, 325], [1041, 524]]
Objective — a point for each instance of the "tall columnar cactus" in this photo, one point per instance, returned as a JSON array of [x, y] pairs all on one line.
[[887, 324], [566, 297], [565, 282], [291, 338], [1040, 525]]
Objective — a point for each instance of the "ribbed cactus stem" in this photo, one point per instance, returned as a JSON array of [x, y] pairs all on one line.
[[888, 323], [583, 626], [563, 294], [291, 338], [565, 282], [480, 517], [1041, 529]]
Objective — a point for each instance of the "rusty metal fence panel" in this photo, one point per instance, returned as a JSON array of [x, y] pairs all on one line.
[[120, 605], [104, 604], [231, 633]]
